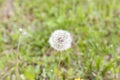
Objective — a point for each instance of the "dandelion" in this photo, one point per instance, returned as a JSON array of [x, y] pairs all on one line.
[[60, 40], [22, 32], [78, 79], [20, 29]]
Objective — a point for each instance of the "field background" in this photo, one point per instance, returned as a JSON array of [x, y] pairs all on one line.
[[95, 28]]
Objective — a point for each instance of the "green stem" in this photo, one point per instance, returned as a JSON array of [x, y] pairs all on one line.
[[58, 67], [17, 59]]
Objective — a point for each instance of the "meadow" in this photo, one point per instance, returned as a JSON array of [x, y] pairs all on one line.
[[25, 28]]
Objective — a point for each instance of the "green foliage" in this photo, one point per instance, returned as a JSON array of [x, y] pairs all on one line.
[[94, 25]]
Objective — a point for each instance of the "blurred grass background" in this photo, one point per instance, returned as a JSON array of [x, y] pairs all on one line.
[[95, 28]]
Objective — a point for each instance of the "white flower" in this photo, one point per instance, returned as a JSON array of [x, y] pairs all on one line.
[[20, 29], [60, 40]]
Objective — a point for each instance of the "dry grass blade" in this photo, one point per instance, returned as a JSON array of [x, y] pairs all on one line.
[[6, 10]]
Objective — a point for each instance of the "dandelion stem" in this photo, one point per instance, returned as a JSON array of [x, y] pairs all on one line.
[[17, 59], [58, 67]]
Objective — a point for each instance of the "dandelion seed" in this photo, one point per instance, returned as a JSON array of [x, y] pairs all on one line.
[[60, 40]]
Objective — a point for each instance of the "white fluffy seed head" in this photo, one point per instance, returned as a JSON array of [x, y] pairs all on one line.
[[60, 40]]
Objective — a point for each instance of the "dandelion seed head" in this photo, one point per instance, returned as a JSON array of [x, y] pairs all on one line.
[[60, 40]]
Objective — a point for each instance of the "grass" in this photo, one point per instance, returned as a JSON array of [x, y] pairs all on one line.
[[95, 28]]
